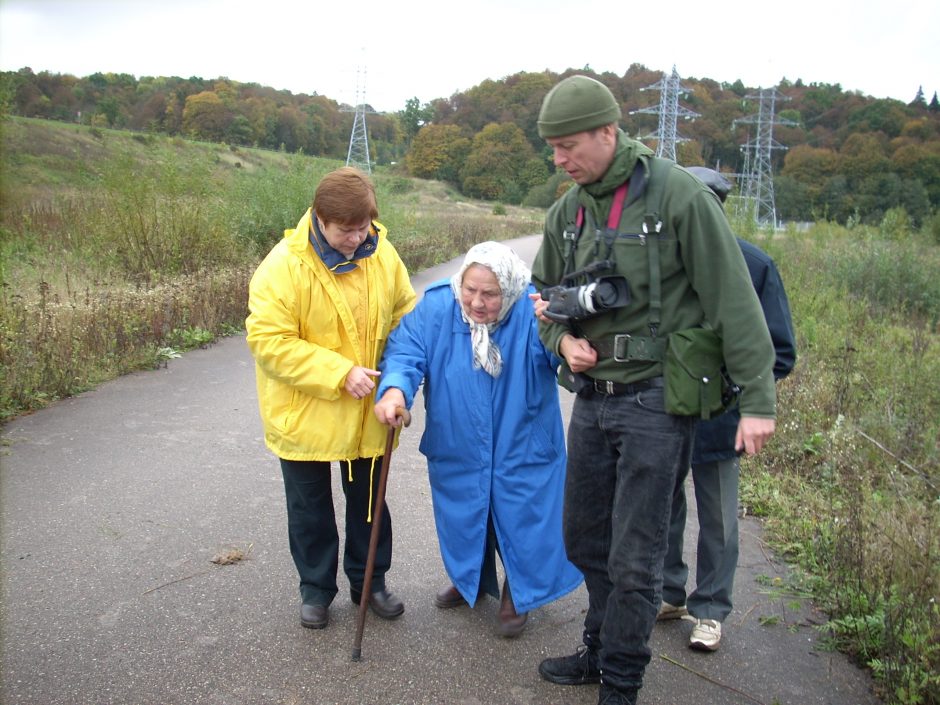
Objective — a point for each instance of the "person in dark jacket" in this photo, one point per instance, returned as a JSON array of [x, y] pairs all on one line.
[[715, 471]]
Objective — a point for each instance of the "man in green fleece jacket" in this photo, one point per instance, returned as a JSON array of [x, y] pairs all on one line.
[[625, 452]]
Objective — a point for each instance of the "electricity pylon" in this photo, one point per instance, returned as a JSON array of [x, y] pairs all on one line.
[[669, 112], [757, 193], [358, 153]]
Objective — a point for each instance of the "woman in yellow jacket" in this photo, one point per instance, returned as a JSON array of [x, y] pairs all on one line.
[[321, 306]]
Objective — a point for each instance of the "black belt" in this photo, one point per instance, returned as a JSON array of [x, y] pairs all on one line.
[[613, 389]]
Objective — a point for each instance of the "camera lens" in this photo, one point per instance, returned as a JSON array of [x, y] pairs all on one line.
[[605, 295]]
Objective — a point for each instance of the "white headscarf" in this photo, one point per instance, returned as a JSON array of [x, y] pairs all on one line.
[[513, 277]]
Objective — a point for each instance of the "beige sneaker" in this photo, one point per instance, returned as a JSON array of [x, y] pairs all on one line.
[[667, 611], [706, 635]]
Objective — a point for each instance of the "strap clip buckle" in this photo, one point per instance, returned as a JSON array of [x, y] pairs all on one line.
[[621, 347]]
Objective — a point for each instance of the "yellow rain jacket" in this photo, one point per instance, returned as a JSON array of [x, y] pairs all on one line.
[[304, 339]]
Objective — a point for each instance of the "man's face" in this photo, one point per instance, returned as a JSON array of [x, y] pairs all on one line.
[[585, 155]]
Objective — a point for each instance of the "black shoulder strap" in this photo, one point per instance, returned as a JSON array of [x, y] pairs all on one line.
[[652, 225], [572, 231], [655, 188]]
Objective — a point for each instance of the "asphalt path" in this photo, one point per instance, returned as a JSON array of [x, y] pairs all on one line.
[[115, 503]]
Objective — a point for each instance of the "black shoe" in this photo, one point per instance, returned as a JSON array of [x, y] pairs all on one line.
[[383, 603], [578, 669], [314, 616], [608, 695]]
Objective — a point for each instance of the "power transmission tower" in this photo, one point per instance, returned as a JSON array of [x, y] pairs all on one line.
[[757, 192], [669, 112], [358, 153]]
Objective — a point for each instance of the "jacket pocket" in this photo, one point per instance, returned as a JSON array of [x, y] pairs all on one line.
[[282, 407]]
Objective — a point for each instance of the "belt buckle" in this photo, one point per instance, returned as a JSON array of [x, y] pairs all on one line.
[[621, 339], [604, 386]]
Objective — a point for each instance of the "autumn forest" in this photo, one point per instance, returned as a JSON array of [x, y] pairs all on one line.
[[839, 156]]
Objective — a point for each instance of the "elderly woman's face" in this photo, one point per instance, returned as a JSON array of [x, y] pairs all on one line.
[[480, 294]]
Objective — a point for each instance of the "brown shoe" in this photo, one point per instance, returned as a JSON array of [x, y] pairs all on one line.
[[509, 624], [449, 598]]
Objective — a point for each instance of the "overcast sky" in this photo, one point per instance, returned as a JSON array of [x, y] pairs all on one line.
[[392, 51]]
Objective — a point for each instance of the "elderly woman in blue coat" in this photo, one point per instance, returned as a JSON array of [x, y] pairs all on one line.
[[493, 437]]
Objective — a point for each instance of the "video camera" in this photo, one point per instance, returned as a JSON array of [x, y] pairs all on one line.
[[568, 303]]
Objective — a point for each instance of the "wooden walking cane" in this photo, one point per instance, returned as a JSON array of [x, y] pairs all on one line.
[[374, 537]]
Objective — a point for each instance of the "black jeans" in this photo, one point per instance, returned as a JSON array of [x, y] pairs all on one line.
[[625, 455], [311, 526]]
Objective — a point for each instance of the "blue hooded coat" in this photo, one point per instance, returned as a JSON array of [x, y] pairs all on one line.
[[493, 445]]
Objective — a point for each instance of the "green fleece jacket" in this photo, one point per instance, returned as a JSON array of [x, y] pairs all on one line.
[[703, 273]]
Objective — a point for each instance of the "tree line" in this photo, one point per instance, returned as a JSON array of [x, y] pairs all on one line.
[[842, 156]]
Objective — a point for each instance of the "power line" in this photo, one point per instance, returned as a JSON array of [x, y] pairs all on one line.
[[358, 153], [757, 192], [669, 112]]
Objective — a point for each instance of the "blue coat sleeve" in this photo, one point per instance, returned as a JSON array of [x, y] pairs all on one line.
[[405, 360]]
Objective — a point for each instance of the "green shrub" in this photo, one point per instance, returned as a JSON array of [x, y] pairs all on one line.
[[264, 202], [52, 347], [897, 275], [545, 194], [848, 486]]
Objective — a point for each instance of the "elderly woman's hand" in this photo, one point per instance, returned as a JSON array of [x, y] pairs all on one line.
[[386, 408]]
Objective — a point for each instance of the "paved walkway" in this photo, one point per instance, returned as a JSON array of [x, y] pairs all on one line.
[[114, 503]]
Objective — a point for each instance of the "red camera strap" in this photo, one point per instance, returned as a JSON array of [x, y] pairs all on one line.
[[616, 209]]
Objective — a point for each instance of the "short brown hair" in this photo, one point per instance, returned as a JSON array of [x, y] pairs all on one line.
[[345, 196]]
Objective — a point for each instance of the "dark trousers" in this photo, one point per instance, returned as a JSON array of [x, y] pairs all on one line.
[[489, 580], [625, 455], [311, 526]]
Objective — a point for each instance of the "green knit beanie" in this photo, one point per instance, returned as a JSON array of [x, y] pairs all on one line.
[[577, 104]]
